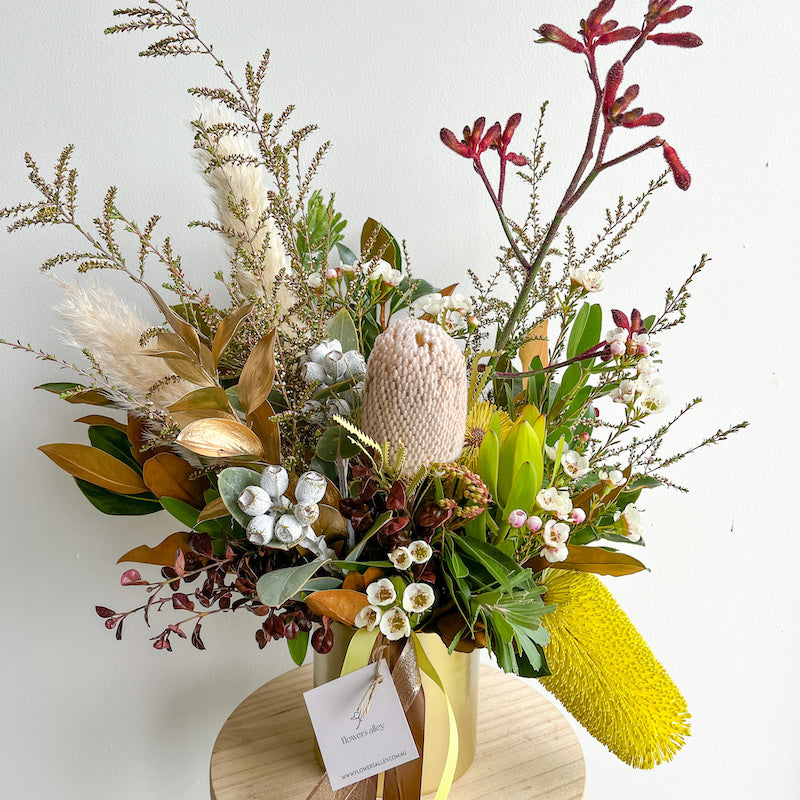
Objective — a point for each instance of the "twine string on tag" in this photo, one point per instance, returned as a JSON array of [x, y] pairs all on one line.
[[366, 700]]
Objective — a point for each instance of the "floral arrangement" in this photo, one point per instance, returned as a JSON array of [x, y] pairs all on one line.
[[343, 441]]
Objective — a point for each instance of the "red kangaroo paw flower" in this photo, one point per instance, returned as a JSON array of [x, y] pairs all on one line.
[[676, 39], [682, 177]]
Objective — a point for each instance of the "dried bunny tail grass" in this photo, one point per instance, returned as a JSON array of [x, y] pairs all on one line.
[[606, 676], [244, 182], [415, 394], [107, 327]]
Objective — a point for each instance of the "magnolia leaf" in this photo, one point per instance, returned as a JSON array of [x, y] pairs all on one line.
[[535, 345], [207, 397], [591, 559], [182, 360], [99, 419], [91, 397], [340, 604], [255, 382], [216, 509], [183, 512], [330, 523], [161, 555], [138, 436], [343, 328], [276, 587], [118, 504], [220, 438], [227, 330], [96, 467], [167, 475], [187, 333], [184, 418], [383, 246], [115, 443], [267, 431], [231, 483]]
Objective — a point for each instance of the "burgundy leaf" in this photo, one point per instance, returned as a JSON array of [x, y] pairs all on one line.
[[131, 577], [261, 638], [201, 543], [176, 629], [225, 601], [181, 601], [118, 634], [102, 611], [196, 640]]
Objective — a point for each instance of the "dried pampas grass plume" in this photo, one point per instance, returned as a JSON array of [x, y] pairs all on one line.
[[245, 182], [415, 394], [98, 321], [606, 676]]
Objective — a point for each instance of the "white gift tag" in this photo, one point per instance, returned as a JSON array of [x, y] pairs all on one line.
[[354, 744]]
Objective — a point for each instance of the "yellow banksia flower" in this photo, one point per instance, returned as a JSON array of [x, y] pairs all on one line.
[[479, 418], [606, 676]]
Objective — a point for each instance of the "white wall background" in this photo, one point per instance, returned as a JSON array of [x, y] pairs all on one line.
[[86, 717]]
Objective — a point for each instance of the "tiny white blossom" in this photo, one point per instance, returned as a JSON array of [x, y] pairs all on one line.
[[590, 279], [394, 625], [629, 523], [453, 321], [645, 366], [575, 465], [653, 400], [381, 592], [614, 477], [640, 343], [625, 392], [432, 304], [383, 272], [254, 501], [617, 335], [418, 597], [555, 535], [315, 280], [420, 551], [459, 302], [401, 558], [551, 499], [368, 617]]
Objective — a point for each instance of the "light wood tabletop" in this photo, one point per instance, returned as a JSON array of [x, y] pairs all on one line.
[[526, 748]]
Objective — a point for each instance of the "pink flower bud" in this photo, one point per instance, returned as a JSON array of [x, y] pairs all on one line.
[[550, 33], [644, 350], [650, 120], [577, 516], [517, 518], [534, 524], [676, 39], [619, 35], [449, 139], [585, 436], [682, 177], [677, 13], [618, 348], [331, 274], [613, 81]]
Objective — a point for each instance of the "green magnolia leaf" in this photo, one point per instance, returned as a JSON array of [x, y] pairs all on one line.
[[183, 512], [231, 483], [298, 647], [115, 443], [335, 442], [276, 587], [384, 245], [118, 504], [343, 328]]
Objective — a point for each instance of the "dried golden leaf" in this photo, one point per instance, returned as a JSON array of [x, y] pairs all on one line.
[[207, 397], [95, 467], [220, 438], [535, 345], [162, 555], [227, 330], [267, 431], [340, 604], [184, 418], [182, 360], [138, 437], [187, 333], [591, 559], [255, 382], [91, 397], [99, 419], [167, 475], [216, 509]]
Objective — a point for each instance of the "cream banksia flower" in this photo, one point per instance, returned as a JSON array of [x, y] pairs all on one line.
[[415, 394], [606, 676]]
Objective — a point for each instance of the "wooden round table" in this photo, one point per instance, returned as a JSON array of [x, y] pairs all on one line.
[[526, 749]]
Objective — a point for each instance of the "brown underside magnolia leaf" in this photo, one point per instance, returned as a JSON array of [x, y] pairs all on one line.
[[535, 345], [340, 604], [255, 382], [220, 438], [95, 467], [267, 431], [214, 510], [206, 397], [162, 555], [591, 559], [99, 419], [584, 499], [167, 475], [227, 330], [138, 437], [330, 523]]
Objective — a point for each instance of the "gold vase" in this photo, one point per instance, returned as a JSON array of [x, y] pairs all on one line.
[[459, 673]]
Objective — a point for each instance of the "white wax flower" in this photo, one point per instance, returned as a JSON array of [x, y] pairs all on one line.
[[315, 280], [394, 625], [420, 551], [274, 481], [310, 488], [459, 302], [381, 592], [383, 272], [555, 535], [653, 400], [614, 477], [574, 464], [625, 392], [432, 304], [306, 514], [589, 279], [288, 529], [453, 321], [645, 366], [369, 617], [401, 558], [629, 523], [640, 343], [617, 335], [418, 597], [260, 529], [254, 501], [551, 499]]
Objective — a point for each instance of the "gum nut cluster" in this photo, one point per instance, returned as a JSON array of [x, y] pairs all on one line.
[[325, 363], [383, 611], [275, 521]]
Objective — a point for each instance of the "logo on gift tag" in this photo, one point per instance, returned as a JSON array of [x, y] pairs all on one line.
[[360, 726]]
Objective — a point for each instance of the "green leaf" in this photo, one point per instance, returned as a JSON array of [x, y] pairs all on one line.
[[592, 330], [499, 566], [379, 523], [276, 587], [232, 482], [298, 647], [183, 512], [118, 504], [115, 443], [343, 328], [322, 584], [644, 482], [233, 399], [569, 380], [384, 245], [488, 455], [346, 255], [335, 442], [578, 327]]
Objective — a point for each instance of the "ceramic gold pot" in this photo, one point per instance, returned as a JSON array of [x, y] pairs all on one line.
[[459, 673]]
